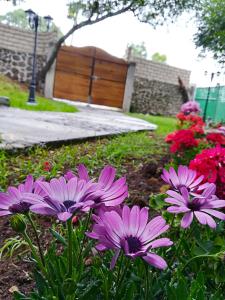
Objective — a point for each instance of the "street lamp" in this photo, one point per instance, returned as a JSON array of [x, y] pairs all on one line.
[[34, 22]]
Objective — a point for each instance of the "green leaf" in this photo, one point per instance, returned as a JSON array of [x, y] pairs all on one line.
[[58, 237], [40, 282]]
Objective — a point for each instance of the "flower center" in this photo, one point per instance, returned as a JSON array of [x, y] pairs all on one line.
[[179, 187], [134, 244], [19, 208], [68, 203], [194, 205]]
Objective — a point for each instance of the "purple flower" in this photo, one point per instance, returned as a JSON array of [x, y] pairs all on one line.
[[189, 107], [108, 191], [184, 177], [18, 200], [130, 232], [63, 198], [202, 207]]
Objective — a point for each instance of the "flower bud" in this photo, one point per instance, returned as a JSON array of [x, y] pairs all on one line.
[[18, 223], [75, 220]]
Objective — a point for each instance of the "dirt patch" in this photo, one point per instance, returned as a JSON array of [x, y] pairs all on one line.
[[143, 180]]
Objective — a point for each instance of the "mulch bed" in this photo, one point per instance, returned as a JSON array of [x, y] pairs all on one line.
[[143, 180]]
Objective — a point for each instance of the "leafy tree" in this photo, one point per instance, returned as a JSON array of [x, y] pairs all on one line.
[[138, 50], [18, 19], [211, 28], [88, 12], [157, 57]]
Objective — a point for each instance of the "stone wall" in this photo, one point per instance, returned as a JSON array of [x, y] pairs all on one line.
[[159, 71], [155, 97], [16, 48], [156, 90]]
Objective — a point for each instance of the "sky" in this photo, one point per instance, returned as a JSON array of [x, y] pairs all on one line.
[[113, 35]]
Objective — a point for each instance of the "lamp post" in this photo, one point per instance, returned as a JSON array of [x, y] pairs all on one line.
[[208, 93], [34, 22]]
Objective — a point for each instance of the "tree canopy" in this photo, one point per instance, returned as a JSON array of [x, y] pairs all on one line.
[[157, 57], [138, 50], [18, 19], [88, 12], [211, 28]]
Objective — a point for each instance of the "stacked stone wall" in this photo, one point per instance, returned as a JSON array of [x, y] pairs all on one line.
[[155, 97], [156, 90], [16, 50]]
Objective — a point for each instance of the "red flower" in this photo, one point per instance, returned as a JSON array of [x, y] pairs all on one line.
[[216, 138], [193, 122], [47, 166], [181, 139], [211, 164]]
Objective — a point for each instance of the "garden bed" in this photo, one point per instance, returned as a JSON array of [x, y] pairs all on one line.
[[137, 156]]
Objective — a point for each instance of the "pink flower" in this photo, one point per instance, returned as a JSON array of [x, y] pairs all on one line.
[[184, 177], [108, 191], [190, 107], [63, 198], [203, 207], [130, 232], [18, 200]]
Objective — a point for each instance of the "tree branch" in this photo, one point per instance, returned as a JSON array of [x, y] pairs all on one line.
[[72, 30]]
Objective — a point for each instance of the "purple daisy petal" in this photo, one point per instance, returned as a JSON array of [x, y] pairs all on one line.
[[130, 232], [187, 220], [114, 259], [155, 260]]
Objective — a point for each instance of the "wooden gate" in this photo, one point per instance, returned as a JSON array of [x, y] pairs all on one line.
[[90, 75]]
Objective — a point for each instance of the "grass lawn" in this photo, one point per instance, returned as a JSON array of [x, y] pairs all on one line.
[[18, 98], [132, 148], [165, 124]]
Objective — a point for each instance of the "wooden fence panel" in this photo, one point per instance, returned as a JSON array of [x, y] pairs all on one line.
[[90, 74]]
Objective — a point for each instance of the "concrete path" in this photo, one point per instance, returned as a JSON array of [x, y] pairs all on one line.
[[20, 128]]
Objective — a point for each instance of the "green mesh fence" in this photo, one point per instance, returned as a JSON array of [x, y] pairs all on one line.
[[216, 103]]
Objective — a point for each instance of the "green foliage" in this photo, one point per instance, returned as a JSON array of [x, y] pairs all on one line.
[[12, 246], [90, 12], [195, 270], [153, 12], [132, 147], [165, 124], [137, 50], [157, 57], [17, 18], [18, 98], [211, 28]]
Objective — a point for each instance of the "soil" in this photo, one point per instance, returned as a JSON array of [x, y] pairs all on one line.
[[16, 274]]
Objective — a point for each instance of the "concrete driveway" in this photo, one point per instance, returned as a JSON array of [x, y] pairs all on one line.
[[21, 128]]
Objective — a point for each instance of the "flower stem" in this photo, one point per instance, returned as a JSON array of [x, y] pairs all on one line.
[[70, 247], [34, 252], [120, 280], [33, 225], [120, 267], [146, 282], [38, 260], [216, 255], [84, 235]]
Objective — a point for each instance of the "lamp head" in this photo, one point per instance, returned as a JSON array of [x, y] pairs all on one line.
[[48, 20], [31, 16]]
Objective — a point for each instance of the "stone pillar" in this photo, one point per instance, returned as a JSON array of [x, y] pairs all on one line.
[[49, 82], [129, 87]]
